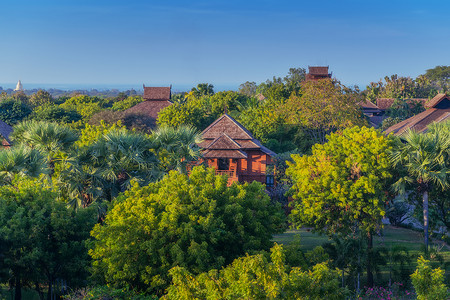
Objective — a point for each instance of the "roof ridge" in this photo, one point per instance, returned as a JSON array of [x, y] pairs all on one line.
[[248, 133], [227, 139]]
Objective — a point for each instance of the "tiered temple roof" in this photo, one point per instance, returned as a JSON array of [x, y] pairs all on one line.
[[226, 138]]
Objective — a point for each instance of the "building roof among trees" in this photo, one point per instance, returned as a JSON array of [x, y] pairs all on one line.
[[385, 103], [147, 111], [5, 131], [227, 137], [439, 111], [157, 93], [318, 70], [316, 73]]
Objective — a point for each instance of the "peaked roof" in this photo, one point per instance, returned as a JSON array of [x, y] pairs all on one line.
[[436, 100], [157, 93], [439, 111], [224, 142], [227, 134], [149, 110], [226, 124], [368, 105]]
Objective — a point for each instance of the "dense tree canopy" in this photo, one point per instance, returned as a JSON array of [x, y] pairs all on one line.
[[254, 277], [340, 188], [196, 222], [40, 239], [324, 107]]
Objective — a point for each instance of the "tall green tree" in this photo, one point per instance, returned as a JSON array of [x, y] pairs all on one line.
[[340, 188], [13, 111], [40, 239], [422, 156], [196, 222], [324, 107]]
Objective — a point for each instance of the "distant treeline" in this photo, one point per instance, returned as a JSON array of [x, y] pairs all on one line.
[[56, 93]]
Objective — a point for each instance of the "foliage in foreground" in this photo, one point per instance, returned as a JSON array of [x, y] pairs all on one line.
[[429, 283], [254, 277], [196, 222], [40, 239], [106, 293], [341, 185]]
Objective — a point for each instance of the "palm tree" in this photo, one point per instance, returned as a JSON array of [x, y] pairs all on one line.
[[423, 157], [120, 157], [47, 137], [178, 146], [20, 161]]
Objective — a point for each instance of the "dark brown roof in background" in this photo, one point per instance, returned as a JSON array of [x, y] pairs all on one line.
[[385, 103], [260, 97], [318, 70], [436, 100], [149, 110], [157, 93], [368, 104], [5, 131], [420, 122]]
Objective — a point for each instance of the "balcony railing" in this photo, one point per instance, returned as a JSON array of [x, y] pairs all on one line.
[[226, 172]]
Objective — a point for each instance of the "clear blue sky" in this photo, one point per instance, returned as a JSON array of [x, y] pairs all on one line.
[[221, 42]]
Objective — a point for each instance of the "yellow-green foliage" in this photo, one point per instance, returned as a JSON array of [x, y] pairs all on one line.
[[127, 103], [91, 133], [253, 277], [428, 282], [196, 222], [342, 183], [86, 106]]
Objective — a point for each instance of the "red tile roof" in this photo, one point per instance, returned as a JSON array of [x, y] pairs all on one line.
[[157, 93]]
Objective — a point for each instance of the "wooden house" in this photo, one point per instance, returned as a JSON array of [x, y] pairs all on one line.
[[232, 150], [317, 73], [438, 110], [155, 99]]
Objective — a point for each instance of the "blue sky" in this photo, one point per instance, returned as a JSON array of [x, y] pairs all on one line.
[[221, 42]]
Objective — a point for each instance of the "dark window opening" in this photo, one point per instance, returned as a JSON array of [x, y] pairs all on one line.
[[223, 164], [270, 180]]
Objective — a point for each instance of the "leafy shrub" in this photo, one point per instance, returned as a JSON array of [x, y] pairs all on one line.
[[428, 282]]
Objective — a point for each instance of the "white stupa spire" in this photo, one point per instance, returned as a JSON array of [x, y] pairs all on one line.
[[19, 86]]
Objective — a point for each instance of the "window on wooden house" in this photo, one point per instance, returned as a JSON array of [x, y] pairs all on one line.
[[270, 180], [223, 164]]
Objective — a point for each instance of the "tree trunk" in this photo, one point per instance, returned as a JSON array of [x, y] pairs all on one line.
[[18, 290], [50, 290], [425, 219], [369, 260]]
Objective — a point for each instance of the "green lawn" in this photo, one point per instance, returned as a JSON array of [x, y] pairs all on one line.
[[390, 236]]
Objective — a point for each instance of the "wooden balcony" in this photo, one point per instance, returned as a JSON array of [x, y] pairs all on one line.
[[229, 173]]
